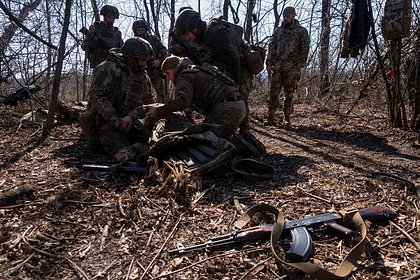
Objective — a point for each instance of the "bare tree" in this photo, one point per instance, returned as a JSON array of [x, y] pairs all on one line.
[[57, 76], [324, 51]]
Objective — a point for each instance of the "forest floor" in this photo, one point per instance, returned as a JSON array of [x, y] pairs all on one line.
[[73, 224]]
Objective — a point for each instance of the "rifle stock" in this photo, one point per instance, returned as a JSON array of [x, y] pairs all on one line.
[[301, 247]]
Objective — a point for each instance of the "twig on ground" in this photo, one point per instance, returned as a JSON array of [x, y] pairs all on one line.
[[121, 208], [254, 268], [390, 241], [413, 277], [315, 196], [163, 245], [252, 250], [22, 205], [406, 234], [44, 253], [130, 268], [104, 236], [16, 268], [78, 269], [104, 272]]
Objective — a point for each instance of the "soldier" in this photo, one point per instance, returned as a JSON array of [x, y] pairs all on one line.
[[120, 86], [287, 54], [140, 29], [102, 36], [224, 46], [213, 93]]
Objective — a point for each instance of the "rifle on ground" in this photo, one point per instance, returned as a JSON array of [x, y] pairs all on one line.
[[20, 95], [301, 247], [94, 37], [115, 168]]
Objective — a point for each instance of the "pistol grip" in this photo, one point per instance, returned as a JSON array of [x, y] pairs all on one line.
[[301, 248]]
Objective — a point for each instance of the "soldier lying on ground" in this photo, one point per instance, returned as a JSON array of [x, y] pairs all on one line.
[[212, 93]]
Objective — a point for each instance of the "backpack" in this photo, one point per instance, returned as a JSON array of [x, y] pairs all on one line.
[[396, 19], [236, 32]]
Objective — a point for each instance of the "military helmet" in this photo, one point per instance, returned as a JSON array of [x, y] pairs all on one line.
[[140, 23], [110, 10], [187, 20], [136, 47]]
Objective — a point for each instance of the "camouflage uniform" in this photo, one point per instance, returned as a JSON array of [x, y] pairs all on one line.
[[104, 37], [117, 91], [227, 55], [159, 52], [215, 38], [218, 100], [287, 54]]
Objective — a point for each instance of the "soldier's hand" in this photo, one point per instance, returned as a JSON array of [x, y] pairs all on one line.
[[151, 113], [126, 123], [156, 63]]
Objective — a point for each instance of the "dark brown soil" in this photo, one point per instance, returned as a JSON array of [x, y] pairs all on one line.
[[84, 225]]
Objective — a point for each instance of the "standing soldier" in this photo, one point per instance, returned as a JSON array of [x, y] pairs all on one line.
[[287, 55], [225, 46], [119, 89], [140, 29], [102, 36]]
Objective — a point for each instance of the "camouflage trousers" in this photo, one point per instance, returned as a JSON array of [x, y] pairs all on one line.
[[228, 116], [159, 86], [133, 143], [245, 88], [286, 80]]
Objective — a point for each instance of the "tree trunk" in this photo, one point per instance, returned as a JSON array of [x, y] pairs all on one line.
[[248, 20], [57, 76], [226, 5], [324, 49]]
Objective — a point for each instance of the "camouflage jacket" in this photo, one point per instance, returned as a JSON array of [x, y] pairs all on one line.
[[194, 86], [289, 47], [116, 91], [102, 39]]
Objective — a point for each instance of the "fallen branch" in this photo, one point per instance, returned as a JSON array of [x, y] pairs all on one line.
[[16, 268], [406, 234], [130, 269], [102, 273], [78, 269], [163, 246]]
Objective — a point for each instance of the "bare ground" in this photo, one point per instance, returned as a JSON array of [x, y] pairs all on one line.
[[82, 225]]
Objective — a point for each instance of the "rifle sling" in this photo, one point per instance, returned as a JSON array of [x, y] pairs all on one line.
[[351, 216]]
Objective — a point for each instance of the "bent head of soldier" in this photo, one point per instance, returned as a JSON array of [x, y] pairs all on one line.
[[169, 66], [289, 14], [137, 51], [140, 28], [110, 13], [187, 24]]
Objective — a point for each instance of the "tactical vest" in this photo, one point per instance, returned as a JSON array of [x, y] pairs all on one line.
[[396, 19]]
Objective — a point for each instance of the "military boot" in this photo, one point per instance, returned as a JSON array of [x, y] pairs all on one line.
[[270, 120]]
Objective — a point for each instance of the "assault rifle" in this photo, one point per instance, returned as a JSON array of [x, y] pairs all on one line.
[[301, 248], [115, 168], [20, 95], [93, 37]]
